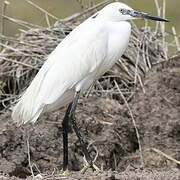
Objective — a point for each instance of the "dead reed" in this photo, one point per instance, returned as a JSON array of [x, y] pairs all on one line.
[[21, 58]]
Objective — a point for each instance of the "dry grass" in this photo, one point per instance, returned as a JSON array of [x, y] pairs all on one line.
[[22, 57]]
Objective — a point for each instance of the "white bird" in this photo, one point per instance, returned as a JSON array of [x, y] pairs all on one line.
[[81, 58]]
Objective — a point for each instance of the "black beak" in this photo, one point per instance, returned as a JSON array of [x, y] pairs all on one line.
[[147, 16]]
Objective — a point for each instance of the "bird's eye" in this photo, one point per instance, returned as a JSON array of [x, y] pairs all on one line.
[[121, 10]]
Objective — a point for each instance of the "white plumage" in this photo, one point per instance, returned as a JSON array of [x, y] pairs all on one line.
[[80, 59]]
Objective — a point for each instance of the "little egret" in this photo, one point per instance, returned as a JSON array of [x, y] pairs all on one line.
[[76, 63]]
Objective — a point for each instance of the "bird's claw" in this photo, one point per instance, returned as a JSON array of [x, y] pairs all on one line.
[[64, 172], [87, 166]]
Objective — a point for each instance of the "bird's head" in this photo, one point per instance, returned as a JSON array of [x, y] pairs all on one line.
[[121, 12]]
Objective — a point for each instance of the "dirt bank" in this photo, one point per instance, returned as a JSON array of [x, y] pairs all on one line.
[[108, 127]]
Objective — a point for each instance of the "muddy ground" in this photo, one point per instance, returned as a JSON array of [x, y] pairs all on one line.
[[108, 127]]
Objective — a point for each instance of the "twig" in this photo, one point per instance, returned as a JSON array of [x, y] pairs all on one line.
[[176, 38], [80, 3], [41, 9], [29, 158], [76, 16], [22, 23], [53, 122], [140, 81], [136, 66], [165, 155], [163, 30], [47, 20], [21, 63], [5, 3], [158, 13], [97, 152], [134, 123]]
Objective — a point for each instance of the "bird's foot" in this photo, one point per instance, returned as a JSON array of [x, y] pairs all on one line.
[[87, 166], [64, 172]]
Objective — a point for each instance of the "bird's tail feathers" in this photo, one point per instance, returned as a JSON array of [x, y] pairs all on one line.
[[29, 107], [24, 111]]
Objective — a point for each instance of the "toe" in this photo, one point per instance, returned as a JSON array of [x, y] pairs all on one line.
[[87, 166], [64, 172]]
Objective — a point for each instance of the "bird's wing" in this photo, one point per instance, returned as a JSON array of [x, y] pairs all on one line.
[[74, 58], [82, 54]]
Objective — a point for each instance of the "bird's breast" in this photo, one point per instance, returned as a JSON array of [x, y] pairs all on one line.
[[118, 39]]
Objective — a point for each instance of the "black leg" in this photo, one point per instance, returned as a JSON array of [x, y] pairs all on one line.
[[70, 115], [76, 129], [65, 137]]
